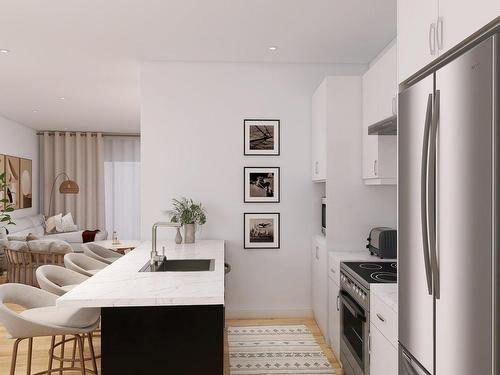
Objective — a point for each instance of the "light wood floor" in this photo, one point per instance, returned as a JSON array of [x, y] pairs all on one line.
[[41, 346]]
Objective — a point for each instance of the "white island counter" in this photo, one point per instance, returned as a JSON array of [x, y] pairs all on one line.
[[158, 322], [122, 285]]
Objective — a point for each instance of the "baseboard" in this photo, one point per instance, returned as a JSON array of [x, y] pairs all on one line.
[[267, 313]]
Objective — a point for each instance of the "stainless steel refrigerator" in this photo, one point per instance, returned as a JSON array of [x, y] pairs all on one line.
[[448, 214]]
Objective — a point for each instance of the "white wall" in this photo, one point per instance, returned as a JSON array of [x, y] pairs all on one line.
[[192, 145], [21, 141]]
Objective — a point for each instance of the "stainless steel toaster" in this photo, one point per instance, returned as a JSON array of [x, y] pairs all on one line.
[[382, 242]]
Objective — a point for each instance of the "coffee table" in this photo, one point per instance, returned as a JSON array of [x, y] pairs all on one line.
[[124, 246]]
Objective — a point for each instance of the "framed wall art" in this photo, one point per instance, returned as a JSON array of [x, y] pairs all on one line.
[[261, 230], [262, 184], [26, 176], [12, 181], [262, 137], [2, 170]]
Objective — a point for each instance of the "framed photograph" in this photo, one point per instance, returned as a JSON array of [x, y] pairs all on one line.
[[262, 137], [2, 170], [262, 185], [262, 230]]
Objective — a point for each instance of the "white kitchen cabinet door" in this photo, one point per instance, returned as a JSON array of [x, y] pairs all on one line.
[[460, 19], [378, 102], [318, 135], [334, 317], [416, 39], [320, 284], [383, 356]]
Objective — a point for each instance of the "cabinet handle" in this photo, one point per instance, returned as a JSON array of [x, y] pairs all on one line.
[[338, 307], [316, 167], [439, 33], [375, 169], [332, 270], [317, 252], [381, 318], [432, 39]]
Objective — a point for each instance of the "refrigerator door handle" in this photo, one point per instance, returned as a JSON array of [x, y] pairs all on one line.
[[423, 194], [431, 187]]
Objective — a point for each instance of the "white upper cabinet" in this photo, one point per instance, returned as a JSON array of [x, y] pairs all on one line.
[[416, 35], [379, 102], [460, 19], [429, 28], [319, 121]]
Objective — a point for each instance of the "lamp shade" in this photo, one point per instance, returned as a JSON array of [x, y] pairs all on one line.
[[69, 187]]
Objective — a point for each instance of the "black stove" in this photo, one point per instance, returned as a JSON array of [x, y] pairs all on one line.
[[374, 272]]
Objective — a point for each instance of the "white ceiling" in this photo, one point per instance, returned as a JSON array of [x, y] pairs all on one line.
[[89, 51]]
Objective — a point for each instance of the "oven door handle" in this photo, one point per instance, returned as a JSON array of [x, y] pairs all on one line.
[[352, 306]]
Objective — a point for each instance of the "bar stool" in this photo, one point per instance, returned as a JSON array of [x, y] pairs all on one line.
[[57, 279], [83, 264], [100, 253], [43, 318]]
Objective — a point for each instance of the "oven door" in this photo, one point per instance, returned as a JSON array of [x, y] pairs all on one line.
[[354, 324]]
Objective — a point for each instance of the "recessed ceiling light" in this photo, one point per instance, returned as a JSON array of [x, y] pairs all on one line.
[[62, 98], [4, 50], [273, 48], [35, 111]]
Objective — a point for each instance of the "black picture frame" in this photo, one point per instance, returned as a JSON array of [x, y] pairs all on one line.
[[273, 245], [247, 148], [276, 182]]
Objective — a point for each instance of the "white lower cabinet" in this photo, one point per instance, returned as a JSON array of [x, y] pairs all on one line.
[[334, 317], [319, 281], [383, 356]]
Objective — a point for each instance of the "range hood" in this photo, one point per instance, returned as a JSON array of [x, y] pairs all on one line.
[[388, 126]]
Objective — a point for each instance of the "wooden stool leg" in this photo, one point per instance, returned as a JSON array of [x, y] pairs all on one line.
[[92, 353], [14, 357], [74, 353], [51, 355], [61, 361], [82, 356], [30, 353]]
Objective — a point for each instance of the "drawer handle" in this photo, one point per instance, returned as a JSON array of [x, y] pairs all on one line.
[[333, 271], [382, 319]]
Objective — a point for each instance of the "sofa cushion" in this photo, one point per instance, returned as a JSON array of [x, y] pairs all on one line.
[[18, 246], [68, 225], [50, 246], [53, 224]]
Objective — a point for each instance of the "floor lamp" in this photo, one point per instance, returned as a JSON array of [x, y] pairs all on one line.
[[68, 186]]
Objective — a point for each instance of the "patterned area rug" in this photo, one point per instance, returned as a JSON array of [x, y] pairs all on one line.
[[289, 349]]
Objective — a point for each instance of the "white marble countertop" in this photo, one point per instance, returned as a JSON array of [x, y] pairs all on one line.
[[121, 284], [388, 293]]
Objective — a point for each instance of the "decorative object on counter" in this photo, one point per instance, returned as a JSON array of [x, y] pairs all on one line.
[[67, 187], [189, 214], [262, 185], [262, 230], [262, 137], [254, 348], [178, 236]]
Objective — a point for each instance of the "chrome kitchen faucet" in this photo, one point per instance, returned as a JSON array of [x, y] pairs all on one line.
[[155, 258]]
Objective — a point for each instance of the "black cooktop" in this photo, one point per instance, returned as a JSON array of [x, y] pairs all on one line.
[[374, 272]]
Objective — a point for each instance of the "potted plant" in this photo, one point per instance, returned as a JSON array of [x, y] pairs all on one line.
[[189, 214]]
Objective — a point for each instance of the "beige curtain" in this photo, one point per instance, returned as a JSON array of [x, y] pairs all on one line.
[[80, 156]]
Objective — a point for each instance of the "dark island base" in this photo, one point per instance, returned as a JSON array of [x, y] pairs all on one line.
[[180, 340]]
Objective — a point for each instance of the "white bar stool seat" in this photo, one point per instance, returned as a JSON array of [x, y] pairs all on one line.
[[100, 253], [57, 279], [43, 318], [83, 264]]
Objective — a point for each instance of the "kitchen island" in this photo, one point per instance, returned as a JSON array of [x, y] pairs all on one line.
[[158, 322]]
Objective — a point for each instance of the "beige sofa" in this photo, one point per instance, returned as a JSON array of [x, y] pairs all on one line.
[[35, 225]]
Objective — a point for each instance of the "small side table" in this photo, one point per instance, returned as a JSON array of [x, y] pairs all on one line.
[[123, 247]]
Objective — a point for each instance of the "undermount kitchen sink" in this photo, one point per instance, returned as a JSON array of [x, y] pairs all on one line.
[[180, 265]]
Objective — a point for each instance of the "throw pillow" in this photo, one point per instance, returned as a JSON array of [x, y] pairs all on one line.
[[52, 223], [3, 233], [68, 225], [14, 237]]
